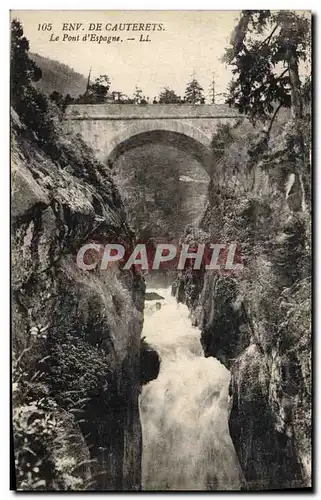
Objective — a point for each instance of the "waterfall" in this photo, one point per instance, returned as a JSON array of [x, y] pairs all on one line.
[[184, 412]]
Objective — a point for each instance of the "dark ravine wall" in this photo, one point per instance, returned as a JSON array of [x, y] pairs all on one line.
[[257, 322], [90, 348]]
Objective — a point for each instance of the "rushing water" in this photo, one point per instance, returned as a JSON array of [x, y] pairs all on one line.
[[184, 412]]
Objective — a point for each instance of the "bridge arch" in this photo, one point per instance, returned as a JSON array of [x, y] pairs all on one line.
[[175, 133]]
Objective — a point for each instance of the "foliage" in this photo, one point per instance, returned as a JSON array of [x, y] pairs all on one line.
[[70, 356], [266, 47], [61, 101], [307, 90], [57, 98], [139, 98], [23, 69], [262, 332], [48, 455], [118, 97], [194, 93], [101, 85], [40, 433], [138, 94], [42, 116], [96, 92], [221, 140], [168, 96], [33, 107]]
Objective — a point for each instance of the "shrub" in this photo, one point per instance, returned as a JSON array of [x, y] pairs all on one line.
[[42, 432]]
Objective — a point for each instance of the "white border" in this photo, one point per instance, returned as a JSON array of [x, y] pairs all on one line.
[[4, 190]]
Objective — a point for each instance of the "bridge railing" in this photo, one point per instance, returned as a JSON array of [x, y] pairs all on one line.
[[123, 111]]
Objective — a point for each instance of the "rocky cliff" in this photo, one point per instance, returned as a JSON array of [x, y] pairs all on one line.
[[257, 321], [76, 334]]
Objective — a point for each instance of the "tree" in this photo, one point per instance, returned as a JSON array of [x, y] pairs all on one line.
[[57, 98], [97, 91], [32, 106], [61, 101], [138, 95], [266, 48], [23, 69], [118, 96], [168, 96], [194, 93], [68, 100]]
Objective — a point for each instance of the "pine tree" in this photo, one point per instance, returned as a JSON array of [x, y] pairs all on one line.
[[194, 93], [137, 95], [23, 69]]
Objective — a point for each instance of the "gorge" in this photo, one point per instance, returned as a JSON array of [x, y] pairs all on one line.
[[229, 408], [179, 378]]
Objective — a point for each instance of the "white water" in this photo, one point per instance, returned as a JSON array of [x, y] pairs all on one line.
[[184, 412]]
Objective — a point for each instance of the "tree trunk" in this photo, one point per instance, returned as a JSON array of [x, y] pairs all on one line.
[[297, 114], [296, 98]]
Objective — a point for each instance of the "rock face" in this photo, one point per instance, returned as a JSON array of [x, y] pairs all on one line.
[[257, 321], [149, 363], [81, 328]]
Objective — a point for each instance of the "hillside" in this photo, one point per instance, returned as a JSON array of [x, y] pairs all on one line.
[[58, 76]]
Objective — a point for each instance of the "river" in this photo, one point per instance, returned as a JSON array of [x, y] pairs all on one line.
[[184, 412]]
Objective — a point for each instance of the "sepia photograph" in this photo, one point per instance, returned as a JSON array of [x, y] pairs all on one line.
[[161, 242]]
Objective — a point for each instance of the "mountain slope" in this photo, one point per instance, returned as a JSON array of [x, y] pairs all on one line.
[[58, 76]]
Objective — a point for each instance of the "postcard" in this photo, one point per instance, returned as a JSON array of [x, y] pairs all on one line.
[[161, 177]]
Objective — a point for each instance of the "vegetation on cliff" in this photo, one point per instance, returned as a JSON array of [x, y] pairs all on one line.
[[76, 335], [257, 321]]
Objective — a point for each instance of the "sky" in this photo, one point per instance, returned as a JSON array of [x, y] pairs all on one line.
[[190, 43]]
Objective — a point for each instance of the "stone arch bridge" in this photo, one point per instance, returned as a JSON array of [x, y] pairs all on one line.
[[112, 129]]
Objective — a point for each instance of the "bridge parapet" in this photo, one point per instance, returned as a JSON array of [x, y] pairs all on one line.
[[148, 111]]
